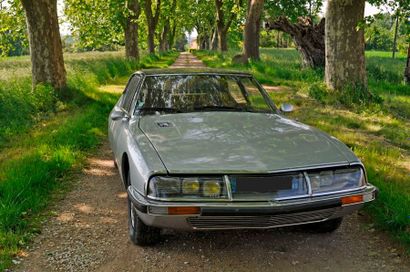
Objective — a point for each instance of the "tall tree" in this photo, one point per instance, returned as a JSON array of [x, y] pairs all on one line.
[[299, 19], [226, 11], [167, 24], [345, 60], [252, 29], [152, 21], [308, 37], [45, 43], [131, 30]]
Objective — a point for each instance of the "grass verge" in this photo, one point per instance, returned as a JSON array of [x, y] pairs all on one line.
[[40, 162], [377, 132]]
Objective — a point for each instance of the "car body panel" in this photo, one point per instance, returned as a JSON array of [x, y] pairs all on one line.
[[238, 142]]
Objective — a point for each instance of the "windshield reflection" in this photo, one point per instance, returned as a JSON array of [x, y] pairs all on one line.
[[188, 93]]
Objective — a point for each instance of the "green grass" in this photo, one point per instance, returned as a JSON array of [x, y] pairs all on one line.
[[377, 132], [38, 164], [20, 107]]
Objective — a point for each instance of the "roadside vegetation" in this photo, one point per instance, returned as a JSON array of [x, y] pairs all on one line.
[[378, 131], [58, 134]]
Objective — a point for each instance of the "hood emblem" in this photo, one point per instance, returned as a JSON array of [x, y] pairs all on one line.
[[164, 124]]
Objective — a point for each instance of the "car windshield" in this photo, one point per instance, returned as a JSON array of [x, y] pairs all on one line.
[[190, 93]]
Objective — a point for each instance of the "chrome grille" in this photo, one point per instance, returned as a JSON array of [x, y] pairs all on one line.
[[263, 221]]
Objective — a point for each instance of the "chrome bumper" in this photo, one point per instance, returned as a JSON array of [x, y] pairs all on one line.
[[248, 215]]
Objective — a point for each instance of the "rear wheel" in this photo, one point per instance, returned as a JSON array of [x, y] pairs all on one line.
[[325, 226], [140, 234]]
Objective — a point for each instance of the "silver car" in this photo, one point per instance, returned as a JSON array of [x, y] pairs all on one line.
[[209, 150]]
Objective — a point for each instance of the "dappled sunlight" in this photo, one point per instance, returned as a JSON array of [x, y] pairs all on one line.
[[122, 195], [118, 89], [66, 217], [101, 163], [275, 88], [107, 220], [84, 208], [99, 172], [98, 167]]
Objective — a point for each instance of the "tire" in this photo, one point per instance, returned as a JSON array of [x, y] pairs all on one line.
[[325, 226], [140, 234]]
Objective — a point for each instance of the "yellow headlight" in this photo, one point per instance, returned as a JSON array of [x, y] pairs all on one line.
[[190, 186], [211, 188]]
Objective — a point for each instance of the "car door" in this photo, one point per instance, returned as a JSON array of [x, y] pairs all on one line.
[[118, 127]]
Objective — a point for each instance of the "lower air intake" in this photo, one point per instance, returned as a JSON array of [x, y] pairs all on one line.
[[265, 221]]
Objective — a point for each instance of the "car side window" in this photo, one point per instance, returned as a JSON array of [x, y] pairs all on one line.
[[129, 92]]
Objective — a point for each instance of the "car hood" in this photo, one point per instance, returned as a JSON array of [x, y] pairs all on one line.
[[239, 142]]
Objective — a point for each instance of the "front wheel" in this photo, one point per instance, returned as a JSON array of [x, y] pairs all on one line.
[[140, 234], [325, 226]]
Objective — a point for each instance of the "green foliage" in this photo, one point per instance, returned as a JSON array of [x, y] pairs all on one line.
[[96, 25], [293, 9], [38, 163], [13, 33], [379, 34]]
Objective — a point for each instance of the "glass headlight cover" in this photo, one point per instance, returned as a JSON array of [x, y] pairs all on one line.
[[187, 187], [336, 180]]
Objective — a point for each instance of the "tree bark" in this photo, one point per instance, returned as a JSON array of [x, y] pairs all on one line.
[[152, 21], [345, 60], [131, 30], [46, 51], [308, 37], [407, 70], [252, 29]]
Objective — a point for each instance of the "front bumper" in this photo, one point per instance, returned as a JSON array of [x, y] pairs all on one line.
[[248, 215]]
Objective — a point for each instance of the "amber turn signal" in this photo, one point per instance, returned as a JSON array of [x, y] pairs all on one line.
[[351, 199], [183, 210]]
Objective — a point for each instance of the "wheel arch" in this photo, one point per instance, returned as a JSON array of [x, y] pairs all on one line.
[[125, 169]]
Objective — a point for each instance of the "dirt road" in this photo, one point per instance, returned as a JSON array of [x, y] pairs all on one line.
[[89, 233]]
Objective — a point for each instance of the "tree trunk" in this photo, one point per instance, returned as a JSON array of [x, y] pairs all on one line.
[[46, 51], [171, 38], [214, 40], [252, 29], [164, 37], [407, 70], [152, 21], [222, 26], [131, 30], [345, 60], [308, 37], [222, 41], [395, 36]]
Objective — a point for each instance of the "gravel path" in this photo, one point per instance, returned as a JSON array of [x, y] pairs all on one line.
[[89, 233]]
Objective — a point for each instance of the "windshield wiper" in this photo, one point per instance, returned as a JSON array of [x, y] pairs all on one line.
[[218, 108], [160, 109]]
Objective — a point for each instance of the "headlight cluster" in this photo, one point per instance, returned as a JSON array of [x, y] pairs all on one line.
[[336, 180], [188, 187]]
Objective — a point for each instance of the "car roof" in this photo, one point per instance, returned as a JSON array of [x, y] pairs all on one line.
[[191, 71]]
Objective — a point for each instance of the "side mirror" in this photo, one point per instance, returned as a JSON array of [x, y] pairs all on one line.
[[285, 108], [117, 115]]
